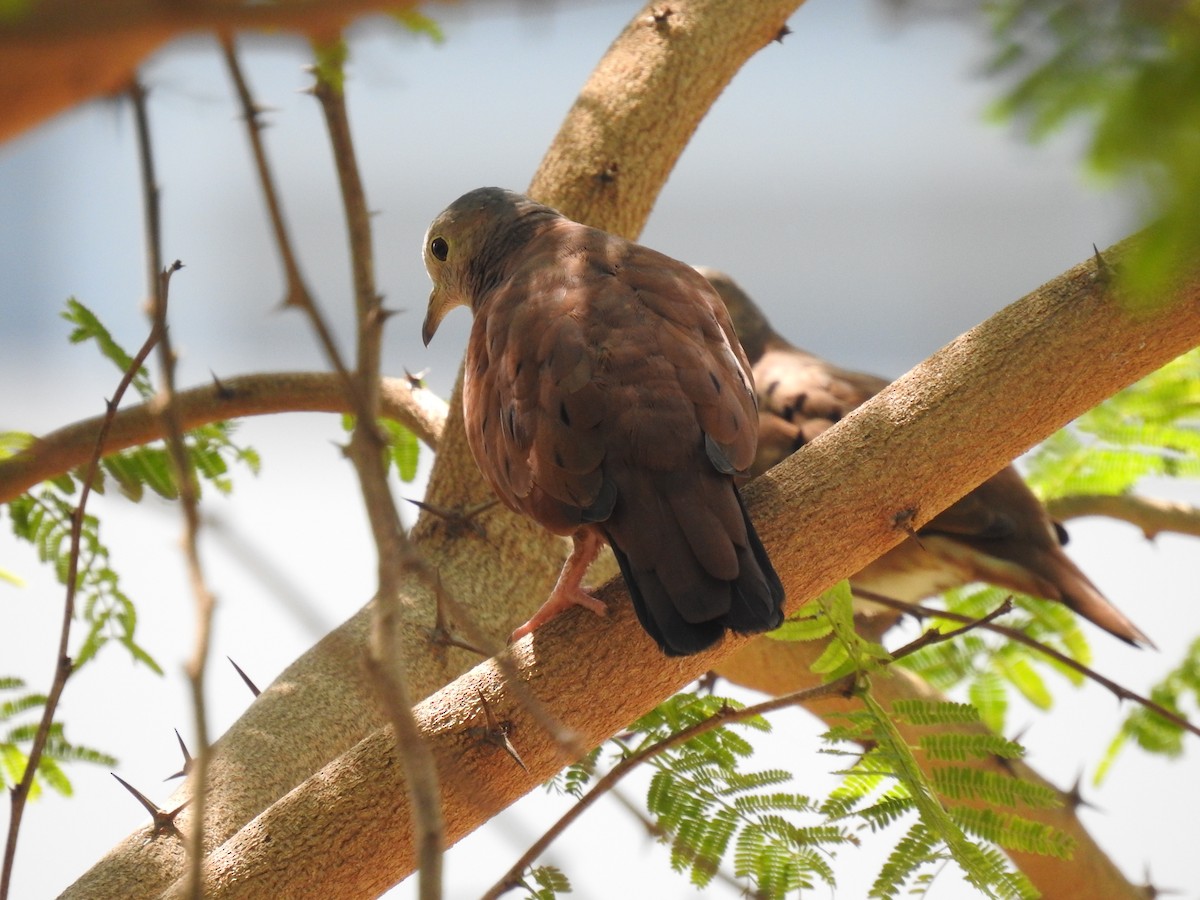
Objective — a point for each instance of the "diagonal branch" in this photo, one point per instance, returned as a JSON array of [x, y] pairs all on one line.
[[823, 514], [19, 794]]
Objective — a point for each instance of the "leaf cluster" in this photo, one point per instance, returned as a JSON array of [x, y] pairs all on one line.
[[887, 782], [990, 667]]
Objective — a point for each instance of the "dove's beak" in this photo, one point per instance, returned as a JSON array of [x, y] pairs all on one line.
[[439, 305]]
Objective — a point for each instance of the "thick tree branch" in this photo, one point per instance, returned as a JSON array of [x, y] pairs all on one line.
[[416, 408], [823, 514], [1153, 517]]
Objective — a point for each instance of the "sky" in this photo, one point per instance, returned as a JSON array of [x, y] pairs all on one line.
[[849, 178]]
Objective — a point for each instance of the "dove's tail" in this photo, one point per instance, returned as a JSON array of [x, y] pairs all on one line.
[[1068, 584], [692, 582]]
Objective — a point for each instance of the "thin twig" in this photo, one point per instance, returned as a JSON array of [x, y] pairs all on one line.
[[1014, 634], [185, 480], [724, 716], [397, 557], [417, 409], [297, 293], [63, 667]]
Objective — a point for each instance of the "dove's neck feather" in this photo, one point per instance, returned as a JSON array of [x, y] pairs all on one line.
[[502, 250]]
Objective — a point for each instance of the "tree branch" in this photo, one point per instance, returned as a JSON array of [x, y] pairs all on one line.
[[1152, 516], [63, 665], [416, 408], [822, 515], [59, 53]]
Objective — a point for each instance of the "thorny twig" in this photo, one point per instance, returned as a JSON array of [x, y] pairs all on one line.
[[1021, 637], [185, 480], [397, 557]]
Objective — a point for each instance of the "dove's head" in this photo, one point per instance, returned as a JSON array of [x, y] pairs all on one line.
[[471, 246]]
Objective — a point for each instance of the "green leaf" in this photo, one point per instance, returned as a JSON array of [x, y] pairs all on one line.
[[89, 328], [1023, 676]]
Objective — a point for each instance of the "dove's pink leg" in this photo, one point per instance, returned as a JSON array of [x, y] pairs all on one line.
[[567, 591]]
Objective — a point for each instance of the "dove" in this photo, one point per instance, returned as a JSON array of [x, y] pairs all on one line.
[[606, 397], [999, 533]]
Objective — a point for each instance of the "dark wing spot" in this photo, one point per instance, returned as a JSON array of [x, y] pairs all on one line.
[[564, 415], [715, 380]]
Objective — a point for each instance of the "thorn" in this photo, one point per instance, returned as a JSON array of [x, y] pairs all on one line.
[[1074, 798], [1104, 272], [187, 759], [223, 392], [1150, 891], [458, 521], [442, 634], [609, 173], [163, 820], [495, 733], [783, 32], [904, 521], [416, 380], [246, 678], [707, 682], [660, 17]]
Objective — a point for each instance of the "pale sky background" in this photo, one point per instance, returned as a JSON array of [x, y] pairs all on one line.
[[847, 178]]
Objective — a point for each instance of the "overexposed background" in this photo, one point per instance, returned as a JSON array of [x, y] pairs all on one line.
[[847, 178]]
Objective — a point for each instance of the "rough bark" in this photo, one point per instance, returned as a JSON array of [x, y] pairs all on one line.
[[322, 705]]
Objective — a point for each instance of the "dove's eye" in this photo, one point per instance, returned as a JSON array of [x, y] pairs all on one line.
[[439, 248]]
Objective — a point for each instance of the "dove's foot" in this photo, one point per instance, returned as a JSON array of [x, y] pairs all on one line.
[[567, 591]]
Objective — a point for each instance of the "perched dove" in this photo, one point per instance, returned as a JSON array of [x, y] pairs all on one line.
[[999, 533], [606, 396]]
